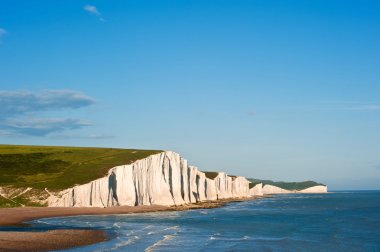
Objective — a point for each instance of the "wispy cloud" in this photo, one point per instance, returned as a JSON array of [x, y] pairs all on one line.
[[3, 32], [368, 107], [98, 136], [351, 105], [252, 113], [93, 10], [19, 111], [88, 136], [42, 126], [24, 102]]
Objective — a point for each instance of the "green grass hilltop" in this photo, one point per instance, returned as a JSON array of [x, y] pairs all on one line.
[[60, 167], [57, 168]]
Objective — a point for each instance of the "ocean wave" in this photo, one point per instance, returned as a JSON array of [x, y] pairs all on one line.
[[162, 230], [43, 222], [246, 237], [171, 228], [160, 242], [128, 242], [215, 237], [146, 227]]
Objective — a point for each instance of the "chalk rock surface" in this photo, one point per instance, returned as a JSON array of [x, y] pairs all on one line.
[[315, 189], [160, 179], [257, 190], [271, 189]]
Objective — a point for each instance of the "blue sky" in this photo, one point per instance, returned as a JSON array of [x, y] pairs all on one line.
[[285, 90]]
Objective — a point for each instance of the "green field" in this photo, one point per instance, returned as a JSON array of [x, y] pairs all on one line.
[[284, 185], [58, 168]]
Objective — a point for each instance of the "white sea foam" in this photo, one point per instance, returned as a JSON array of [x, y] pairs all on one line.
[[171, 228], [162, 230], [160, 242], [230, 239], [123, 244], [43, 222]]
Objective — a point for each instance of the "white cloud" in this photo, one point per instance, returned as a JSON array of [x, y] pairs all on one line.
[[18, 111], [93, 10], [42, 126], [14, 103]]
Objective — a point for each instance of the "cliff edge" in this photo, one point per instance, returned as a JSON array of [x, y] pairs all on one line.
[[160, 179]]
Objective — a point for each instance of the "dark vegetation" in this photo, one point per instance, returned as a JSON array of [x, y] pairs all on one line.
[[17, 202], [60, 167], [8, 203], [211, 175], [284, 185]]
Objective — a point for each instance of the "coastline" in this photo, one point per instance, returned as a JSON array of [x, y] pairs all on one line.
[[65, 239]]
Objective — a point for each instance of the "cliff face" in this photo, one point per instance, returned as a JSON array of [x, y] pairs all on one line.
[[160, 179], [257, 190], [270, 189], [315, 189]]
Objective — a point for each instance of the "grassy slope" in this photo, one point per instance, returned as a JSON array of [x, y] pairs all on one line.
[[60, 167], [285, 185]]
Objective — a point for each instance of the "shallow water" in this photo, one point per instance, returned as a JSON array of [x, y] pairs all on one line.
[[340, 221]]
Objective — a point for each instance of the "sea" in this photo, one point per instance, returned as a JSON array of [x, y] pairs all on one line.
[[336, 221]]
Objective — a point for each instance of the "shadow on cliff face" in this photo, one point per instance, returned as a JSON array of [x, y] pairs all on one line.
[[112, 185]]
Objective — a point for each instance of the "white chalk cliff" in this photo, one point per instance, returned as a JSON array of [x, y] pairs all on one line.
[[257, 190], [271, 189], [315, 189], [160, 179]]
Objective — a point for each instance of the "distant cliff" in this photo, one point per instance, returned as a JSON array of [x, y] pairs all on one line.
[[290, 186], [260, 190]]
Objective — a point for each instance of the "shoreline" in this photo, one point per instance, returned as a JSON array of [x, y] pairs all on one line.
[[65, 239]]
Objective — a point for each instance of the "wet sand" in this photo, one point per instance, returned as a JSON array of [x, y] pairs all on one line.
[[16, 216], [64, 239], [49, 240], [57, 239]]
